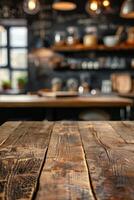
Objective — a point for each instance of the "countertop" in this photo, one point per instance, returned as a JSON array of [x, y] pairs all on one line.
[[16, 101], [67, 160]]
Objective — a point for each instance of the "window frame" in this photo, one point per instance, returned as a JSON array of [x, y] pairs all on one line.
[[7, 25]]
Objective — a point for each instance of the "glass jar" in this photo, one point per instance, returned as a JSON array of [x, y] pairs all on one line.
[[59, 39], [72, 85], [130, 39], [72, 36], [90, 39], [56, 84]]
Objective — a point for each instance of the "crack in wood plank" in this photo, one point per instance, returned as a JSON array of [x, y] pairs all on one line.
[[65, 171], [107, 161], [22, 162]]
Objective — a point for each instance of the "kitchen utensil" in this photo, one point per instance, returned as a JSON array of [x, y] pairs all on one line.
[[72, 36], [90, 38], [59, 38], [58, 94], [56, 84], [122, 83], [106, 86], [72, 84], [111, 41], [119, 32], [130, 39]]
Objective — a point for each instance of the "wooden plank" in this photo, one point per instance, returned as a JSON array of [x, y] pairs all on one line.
[[7, 129], [65, 173], [125, 130], [21, 159], [110, 166], [106, 135]]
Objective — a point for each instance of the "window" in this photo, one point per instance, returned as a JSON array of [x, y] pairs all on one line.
[[13, 53]]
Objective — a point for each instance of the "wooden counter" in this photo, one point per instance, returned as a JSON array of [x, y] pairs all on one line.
[[67, 160], [14, 101]]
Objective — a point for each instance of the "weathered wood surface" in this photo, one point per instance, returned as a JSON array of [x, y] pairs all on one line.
[[67, 161], [110, 159], [22, 155], [65, 172]]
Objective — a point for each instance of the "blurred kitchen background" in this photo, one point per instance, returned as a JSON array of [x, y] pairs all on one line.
[[80, 46]]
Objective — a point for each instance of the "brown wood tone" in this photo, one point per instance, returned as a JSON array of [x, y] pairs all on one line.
[[6, 129], [128, 95], [16, 101], [110, 159], [81, 47], [67, 160], [65, 170], [22, 155]]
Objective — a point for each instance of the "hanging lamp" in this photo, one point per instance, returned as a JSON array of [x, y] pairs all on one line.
[[127, 9], [64, 5], [96, 7], [31, 7]]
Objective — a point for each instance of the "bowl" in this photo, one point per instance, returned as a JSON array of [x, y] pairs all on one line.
[[110, 41]]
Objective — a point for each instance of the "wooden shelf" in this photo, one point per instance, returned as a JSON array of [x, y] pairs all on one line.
[[81, 47]]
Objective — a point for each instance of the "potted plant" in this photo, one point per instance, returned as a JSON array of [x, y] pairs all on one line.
[[6, 85], [22, 81]]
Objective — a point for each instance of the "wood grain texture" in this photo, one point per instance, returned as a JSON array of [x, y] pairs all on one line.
[[21, 159], [6, 130], [125, 130], [110, 161], [65, 174], [67, 161]]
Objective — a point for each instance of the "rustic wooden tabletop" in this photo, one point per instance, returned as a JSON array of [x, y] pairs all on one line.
[[67, 160]]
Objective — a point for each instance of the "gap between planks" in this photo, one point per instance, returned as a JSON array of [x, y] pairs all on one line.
[[65, 173], [21, 160]]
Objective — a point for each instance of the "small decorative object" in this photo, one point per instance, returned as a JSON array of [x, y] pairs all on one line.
[[64, 5], [72, 85], [111, 40], [59, 39], [22, 81], [130, 39], [6, 85], [127, 9], [122, 83], [132, 63], [106, 86], [90, 38], [31, 7], [56, 84], [72, 36]]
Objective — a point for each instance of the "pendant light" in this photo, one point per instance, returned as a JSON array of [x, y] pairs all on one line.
[[96, 7], [93, 7], [31, 7], [64, 5], [127, 9]]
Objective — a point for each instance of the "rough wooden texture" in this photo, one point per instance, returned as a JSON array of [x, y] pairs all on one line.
[[20, 101], [65, 172], [67, 161], [6, 129], [110, 159], [21, 159]]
